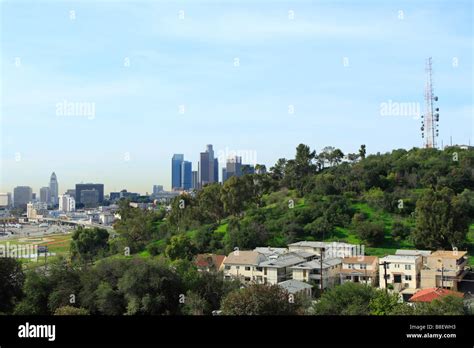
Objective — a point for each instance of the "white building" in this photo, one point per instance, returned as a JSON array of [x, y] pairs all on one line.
[[5, 200], [403, 272], [331, 250], [67, 203], [360, 269]]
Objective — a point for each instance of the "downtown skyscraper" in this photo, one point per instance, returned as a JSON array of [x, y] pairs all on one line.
[[53, 188], [208, 167], [176, 165]]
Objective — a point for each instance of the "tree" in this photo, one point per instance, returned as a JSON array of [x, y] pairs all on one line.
[[362, 151], [384, 303], [180, 247], [446, 305], [88, 243], [194, 304], [400, 231], [441, 220], [210, 203], [260, 299], [370, 232], [346, 299], [11, 283]]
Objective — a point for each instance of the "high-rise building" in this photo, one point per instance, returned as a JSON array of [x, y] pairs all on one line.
[[247, 169], [176, 163], [204, 169], [5, 200], [186, 175], [45, 195], [71, 192], [90, 198], [210, 151], [233, 166], [67, 203], [224, 174], [216, 170], [81, 187], [53, 187], [157, 189], [22, 195], [195, 179]]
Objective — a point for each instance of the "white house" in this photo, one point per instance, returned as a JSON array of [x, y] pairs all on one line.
[[244, 265], [403, 272], [311, 272], [360, 269]]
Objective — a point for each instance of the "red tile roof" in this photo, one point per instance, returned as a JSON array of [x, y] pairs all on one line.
[[207, 260], [430, 294]]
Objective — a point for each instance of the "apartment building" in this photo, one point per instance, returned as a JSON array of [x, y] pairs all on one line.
[[444, 269], [311, 272], [331, 250], [244, 265], [403, 272], [360, 269], [279, 269]]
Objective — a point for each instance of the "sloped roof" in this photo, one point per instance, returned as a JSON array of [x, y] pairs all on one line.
[[294, 286], [207, 260], [430, 294], [360, 259], [244, 257], [449, 254]]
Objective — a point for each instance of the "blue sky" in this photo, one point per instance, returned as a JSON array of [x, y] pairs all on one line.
[[284, 58]]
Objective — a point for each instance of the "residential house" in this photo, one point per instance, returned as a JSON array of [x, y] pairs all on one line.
[[279, 269], [444, 269], [244, 265], [430, 294], [209, 262], [411, 252], [360, 269], [311, 272]]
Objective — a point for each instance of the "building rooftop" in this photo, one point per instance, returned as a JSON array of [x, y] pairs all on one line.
[[360, 259], [317, 264], [209, 260], [294, 286], [244, 257], [269, 251], [400, 258], [449, 254], [284, 260], [413, 252], [313, 244], [430, 294]]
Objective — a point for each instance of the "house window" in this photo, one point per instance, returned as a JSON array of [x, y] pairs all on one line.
[[237, 267], [247, 268], [304, 273], [227, 267], [247, 279], [363, 266], [348, 277], [408, 267], [408, 277], [264, 271], [351, 266], [259, 269]]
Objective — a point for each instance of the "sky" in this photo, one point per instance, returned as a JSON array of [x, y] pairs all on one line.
[[108, 91]]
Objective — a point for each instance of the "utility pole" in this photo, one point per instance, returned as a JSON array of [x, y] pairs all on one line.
[[442, 277], [321, 268], [385, 264]]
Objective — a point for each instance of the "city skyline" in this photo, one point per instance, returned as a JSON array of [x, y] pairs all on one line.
[[248, 78]]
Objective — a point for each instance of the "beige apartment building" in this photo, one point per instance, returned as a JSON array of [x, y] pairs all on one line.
[[244, 265], [444, 269], [403, 272], [360, 269]]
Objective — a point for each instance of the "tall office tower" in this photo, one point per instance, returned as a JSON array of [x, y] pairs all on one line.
[[234, 166], [186, 175], [67, 203], [204, 169], [210, 151], [45, 195], [22, 195], [82, 187], [176, 163], [216, 170], [53, 187], [194, 179], [90, 198], [157, 189], [224, 175], [4, 201]]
